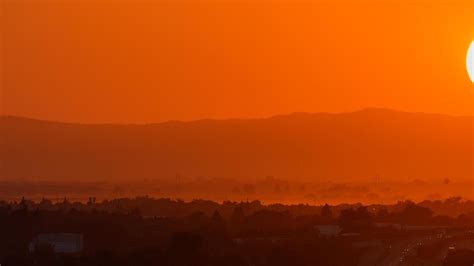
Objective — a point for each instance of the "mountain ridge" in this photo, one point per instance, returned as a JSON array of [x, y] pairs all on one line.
[[364, 110], [301, 146]]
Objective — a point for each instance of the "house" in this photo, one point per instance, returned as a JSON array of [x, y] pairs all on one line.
[[328, 230], [61, 243], [389, 226]]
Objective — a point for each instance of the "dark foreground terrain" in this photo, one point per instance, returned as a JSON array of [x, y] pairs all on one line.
[[147, 231]]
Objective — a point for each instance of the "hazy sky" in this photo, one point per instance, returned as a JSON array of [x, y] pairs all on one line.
[[149, 61]]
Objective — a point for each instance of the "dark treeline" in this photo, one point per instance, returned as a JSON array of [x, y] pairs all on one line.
[[149, 207], [436, 211], [146, 231]]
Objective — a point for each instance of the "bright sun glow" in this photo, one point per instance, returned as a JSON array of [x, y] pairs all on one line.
[[470, 61]]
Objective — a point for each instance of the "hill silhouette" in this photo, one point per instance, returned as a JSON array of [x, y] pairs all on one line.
[[301, 146]]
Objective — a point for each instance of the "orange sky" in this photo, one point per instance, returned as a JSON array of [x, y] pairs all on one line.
[[149, 61]]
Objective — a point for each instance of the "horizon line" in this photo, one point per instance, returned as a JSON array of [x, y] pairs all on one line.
[[386, 109]]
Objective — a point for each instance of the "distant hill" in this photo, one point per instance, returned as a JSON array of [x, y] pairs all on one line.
[[347, 146]]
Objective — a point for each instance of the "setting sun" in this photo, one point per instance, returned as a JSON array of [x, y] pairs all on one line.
[[470, 61]]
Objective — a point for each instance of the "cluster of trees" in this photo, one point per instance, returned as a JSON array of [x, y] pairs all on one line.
[[262, 238], [353, 217], [200, 232], [149, 207]]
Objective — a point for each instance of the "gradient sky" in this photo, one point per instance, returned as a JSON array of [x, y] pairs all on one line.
[[139, 61]]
